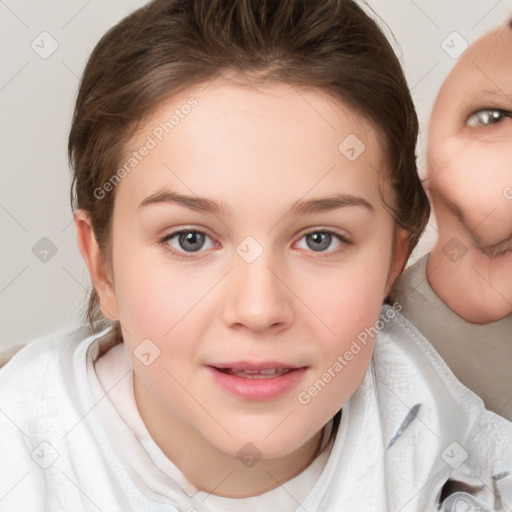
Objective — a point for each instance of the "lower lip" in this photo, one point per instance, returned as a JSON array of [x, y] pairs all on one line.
[[258, 389]]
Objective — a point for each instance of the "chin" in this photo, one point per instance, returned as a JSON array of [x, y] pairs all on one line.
[[495, 251], [263, 446]]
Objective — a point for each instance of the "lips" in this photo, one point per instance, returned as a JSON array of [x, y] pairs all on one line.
[[265, 380], [248, 365]]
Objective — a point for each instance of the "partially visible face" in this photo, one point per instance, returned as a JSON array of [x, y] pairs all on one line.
[[258, 280], [470, 144]]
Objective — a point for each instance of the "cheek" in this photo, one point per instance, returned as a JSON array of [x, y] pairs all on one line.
[[153, 294], [140, 295], [349, 300], [344, 352], [474, 176], [162, 305], [351, 308]]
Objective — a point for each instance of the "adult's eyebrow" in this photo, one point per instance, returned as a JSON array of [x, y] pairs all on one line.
[[496, 91], [301, 207]]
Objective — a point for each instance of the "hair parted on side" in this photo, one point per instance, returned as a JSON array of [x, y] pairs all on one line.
[[169, 45]]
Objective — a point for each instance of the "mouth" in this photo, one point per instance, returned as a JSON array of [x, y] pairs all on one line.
[[255, 370], [257, 381]]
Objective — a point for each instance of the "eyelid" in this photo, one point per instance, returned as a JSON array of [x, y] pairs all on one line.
[[186, 229], [323, 230]]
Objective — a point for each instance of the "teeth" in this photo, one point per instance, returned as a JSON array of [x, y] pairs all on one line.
[[257, 374]]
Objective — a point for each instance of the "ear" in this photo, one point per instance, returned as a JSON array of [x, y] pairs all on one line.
[[398, 258], [95, 261]]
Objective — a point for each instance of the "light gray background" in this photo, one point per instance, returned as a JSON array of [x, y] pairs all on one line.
[[36, 102]]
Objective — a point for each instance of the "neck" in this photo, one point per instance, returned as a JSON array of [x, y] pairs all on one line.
[[476, 287], [210, 469]]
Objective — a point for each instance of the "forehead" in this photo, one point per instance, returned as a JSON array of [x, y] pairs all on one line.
[[263, 134], [265, 107], [485, 67]]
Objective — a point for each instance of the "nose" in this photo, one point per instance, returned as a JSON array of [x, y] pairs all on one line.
[[258, 298]]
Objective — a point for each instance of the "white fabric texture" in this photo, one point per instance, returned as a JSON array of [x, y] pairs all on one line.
[[410, 432]]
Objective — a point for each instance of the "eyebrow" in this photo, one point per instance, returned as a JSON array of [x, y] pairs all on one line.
[[301, 207], [193, 203], [495, 92]]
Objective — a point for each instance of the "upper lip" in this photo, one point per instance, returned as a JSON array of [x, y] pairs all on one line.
[[249, 365]]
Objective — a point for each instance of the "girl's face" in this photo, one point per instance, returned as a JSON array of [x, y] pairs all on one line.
[[250, 233]]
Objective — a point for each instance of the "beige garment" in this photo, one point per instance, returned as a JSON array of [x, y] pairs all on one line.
[[480, 356]]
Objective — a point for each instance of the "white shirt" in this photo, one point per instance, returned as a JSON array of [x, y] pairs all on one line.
[[408, 429]]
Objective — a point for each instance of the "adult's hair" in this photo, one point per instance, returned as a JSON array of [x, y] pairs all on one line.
[[169, 45]]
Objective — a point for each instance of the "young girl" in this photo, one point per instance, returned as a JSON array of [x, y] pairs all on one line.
[[245, 195]]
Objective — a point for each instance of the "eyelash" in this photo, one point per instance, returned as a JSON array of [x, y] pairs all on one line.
[[182, 255]]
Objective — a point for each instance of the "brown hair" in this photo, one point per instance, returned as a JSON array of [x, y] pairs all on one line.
[[168, 45]]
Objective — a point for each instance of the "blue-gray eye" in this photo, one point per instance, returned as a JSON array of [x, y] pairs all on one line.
[[487, 117], [319, 241], [192, 241], [188, 240]]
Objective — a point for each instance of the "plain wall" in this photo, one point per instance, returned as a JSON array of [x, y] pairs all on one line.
[[43, 280]]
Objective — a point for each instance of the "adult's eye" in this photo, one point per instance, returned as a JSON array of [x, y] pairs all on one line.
[[487, 117]]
